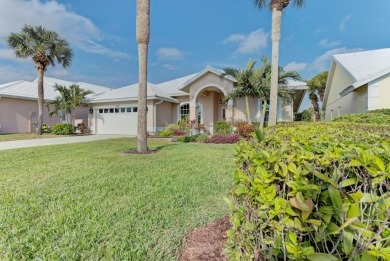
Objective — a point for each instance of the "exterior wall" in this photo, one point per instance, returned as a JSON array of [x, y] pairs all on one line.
[[239, 109], [164, 114], [384, 92], [82, 113], [15, 118], [354, 102]]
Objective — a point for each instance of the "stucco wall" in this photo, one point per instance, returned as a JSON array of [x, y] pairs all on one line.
[[15, 118], [239, 113], [163, 114], [384, 97], [354, 102]]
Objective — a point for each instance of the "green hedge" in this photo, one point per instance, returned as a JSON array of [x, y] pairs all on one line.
[[63, 129], [312, 192], [379, 117]]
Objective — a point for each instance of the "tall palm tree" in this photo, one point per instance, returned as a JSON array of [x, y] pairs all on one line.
[[77, 96], [317, 85], [143, 35], [277, 7], [46, 48]]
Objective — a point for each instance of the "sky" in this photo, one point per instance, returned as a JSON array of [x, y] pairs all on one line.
[[186, 36]]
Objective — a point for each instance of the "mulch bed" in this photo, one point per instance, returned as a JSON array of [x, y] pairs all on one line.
[[206, 243]]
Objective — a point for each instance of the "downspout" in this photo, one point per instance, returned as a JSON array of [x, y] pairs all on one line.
[[154, 115]]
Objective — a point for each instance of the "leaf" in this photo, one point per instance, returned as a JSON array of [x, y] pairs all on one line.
[[327, 210], [314, 222], [299, 205], [284, 168], [337, 202], [293, 238], [292, 167], [379, 163], [347, 242], [369, 198], [354, 210], [346, 224], [322, 257], [347, 182], [325, 178], [291, 249]]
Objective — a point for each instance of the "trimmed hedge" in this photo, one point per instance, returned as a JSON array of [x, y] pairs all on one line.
[[223, 127], [379, 117], [62, 129], [222, 139], [312, 192]]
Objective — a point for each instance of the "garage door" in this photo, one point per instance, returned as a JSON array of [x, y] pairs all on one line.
[[117, 120]]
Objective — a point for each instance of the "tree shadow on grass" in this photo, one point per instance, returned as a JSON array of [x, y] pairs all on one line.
[[150, 151]]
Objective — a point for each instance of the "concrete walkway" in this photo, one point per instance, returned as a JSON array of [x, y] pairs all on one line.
[[16, 144]]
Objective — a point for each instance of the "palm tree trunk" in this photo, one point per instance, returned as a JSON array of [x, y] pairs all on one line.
[[248, 113], [143, 35], [40, 100], [316, 110], [276, 25], [263, 112]]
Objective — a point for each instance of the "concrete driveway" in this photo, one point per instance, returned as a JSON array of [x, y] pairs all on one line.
[[16, 144]]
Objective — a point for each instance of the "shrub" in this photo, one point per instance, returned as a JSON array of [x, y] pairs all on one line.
[[45, 128], [202, 138], [223, 127], [312, 192], [187, 139], [172, 130], [220, 139], [62, 129], [382, 111], [245, 129], [366, 118], [82, 127]]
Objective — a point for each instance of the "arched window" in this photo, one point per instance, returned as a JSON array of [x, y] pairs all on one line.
[[184, 110]]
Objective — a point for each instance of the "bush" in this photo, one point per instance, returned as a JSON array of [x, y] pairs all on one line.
[[220, 139], [202, 138], [172, 130], [223, 127], [187, 139], [372, 117], [312, 192], [382, 111], [45, 128], [62, 129], [245, 129], [82, 127]]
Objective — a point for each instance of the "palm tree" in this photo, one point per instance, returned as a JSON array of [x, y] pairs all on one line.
[[277, 7], [143, 35], [46, 48], [77, 96], [317, 85], [245, 87], [61, 104]]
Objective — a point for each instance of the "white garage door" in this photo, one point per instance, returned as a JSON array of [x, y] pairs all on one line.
[[117, 120]]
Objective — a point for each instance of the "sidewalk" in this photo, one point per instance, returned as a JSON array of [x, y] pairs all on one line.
[[16, 144]]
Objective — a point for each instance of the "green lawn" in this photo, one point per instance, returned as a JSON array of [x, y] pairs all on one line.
[[89, 201], [25, 136]]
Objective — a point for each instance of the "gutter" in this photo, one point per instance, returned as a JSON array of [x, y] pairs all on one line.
[[155, 116]]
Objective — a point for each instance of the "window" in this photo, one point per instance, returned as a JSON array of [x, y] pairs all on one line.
[[128, 109], [116, 110], [200, 113], [135, 109], [184, 111], [63, 116], [100, 110], [223, 113], [105, 110], [123, 110]]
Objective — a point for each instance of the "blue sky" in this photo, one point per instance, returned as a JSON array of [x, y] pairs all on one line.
[[188, 35]]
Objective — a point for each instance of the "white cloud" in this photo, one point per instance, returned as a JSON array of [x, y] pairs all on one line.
[[11, 74], [250, 43], [170, 67], [169, 54], [344, 22], [329, 44], [78, 30], [294, 66], [322, 62], [7, 54]]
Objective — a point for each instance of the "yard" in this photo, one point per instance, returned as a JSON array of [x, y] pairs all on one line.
[[91, 201], [25, 136]]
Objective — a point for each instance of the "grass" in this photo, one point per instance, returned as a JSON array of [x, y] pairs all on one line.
[[25, 136], [89, 201]]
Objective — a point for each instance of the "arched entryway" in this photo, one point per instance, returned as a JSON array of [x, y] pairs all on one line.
[[209, 107]]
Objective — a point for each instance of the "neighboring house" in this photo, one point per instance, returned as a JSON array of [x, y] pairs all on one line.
[[198, 96], [19, 105], [358, 82], [114, 111]]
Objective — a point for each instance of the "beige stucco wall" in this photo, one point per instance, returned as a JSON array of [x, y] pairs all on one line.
[[384, 93], [354, 102], [164, 114], [15, 118], [239, 113]]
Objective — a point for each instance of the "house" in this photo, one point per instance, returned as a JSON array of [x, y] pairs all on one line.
[[19, 104], [358, 82], [198, 96], [114, 111]]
